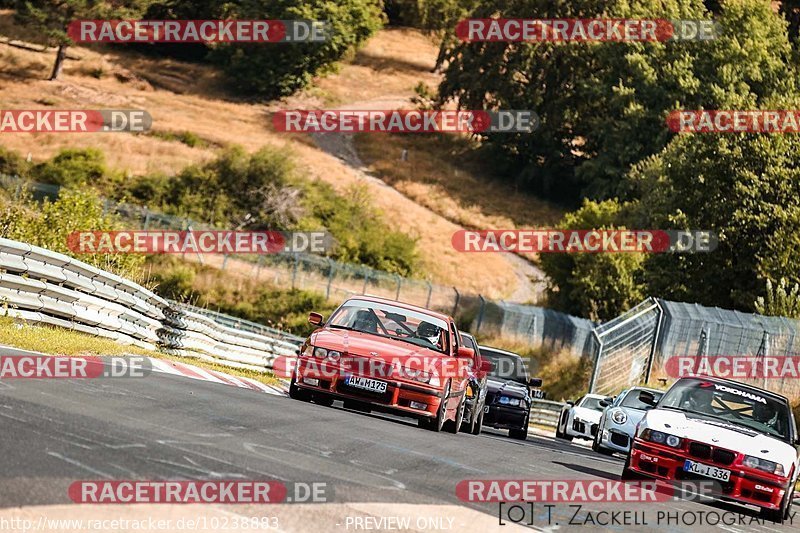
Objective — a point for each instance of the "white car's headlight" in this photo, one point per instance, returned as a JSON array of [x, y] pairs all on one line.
[[762, 464], [619, 417]]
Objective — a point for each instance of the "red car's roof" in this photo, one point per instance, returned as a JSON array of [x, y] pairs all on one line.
[[403, 305]]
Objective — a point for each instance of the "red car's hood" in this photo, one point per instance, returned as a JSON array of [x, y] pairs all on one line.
[[367, 345]]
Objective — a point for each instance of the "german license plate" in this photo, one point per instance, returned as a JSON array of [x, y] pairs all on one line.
[[713, 472], [372, 385]]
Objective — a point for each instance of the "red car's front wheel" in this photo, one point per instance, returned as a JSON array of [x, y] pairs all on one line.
[[437, 423]]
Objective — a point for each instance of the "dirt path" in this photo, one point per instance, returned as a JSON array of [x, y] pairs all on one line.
[[530, 280]]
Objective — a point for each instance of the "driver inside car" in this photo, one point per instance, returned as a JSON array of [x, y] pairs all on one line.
[[767, 415], [700, 400], [366, 321], [431, 333]]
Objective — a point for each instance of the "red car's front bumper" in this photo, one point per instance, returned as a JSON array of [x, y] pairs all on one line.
[[398, 396], [746, 485]]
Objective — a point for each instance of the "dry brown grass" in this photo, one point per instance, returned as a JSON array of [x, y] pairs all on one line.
[[185, 98], [443, 173]]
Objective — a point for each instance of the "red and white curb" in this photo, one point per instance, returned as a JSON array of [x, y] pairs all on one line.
[[194, 372]]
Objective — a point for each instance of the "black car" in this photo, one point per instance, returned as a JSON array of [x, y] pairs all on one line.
[[508, 392], [476, 388]]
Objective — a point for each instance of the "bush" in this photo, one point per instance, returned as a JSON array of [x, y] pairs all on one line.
[[72, 167], [277, 70], [12, 163], [362, 235], [49, 225], [177, 282]]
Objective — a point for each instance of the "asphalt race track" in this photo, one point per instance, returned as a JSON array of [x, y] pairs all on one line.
[[55, 432]]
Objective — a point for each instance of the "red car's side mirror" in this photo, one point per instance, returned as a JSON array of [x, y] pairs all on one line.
[[465, 352], [315, 318], [486, 365]]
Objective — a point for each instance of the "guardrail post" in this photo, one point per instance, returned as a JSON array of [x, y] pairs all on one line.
[[430, 291], [480, 314], [455, 305]]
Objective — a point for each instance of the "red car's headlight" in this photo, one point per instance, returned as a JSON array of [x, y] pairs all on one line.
[[323, 353]]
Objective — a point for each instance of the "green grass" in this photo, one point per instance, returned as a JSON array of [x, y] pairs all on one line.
[[52, 340], [59, 341]]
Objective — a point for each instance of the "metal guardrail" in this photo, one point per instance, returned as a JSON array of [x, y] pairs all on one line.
[[46, 287], [545, 413]]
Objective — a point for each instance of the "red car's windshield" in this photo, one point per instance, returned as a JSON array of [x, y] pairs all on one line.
[[393, 322]]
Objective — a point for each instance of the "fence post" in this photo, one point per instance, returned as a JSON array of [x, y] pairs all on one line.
[[294, 270], [455, 305], [224, 261], [655, 342], [399, 285], [331, 270], [190, 235], [256, 267], [480, 314], [702, 349], [430, 291], [763, 353], [366, 280], [596, 369], [146, 218]]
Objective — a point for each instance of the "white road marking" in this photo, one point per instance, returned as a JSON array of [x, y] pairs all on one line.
[[74, 462]]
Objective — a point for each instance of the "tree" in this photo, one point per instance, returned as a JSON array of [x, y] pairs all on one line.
[[599, 286], [790, 9], [602, 105], [780, 300], [50, 18], [745, 188], [275, 70]]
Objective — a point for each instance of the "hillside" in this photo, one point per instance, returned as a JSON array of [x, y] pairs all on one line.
[[188, 98]]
